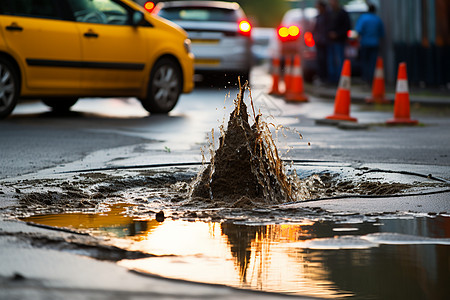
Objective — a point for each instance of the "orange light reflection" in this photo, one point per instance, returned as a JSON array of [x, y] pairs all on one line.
[[256, 257]]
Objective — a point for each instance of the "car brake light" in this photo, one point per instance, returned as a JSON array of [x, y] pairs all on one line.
[[288, 33], [245, 28], [294, 31], [309, 39], [149, 6], [283, 32]]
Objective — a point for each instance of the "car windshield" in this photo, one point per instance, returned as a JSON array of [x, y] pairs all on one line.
[[198, 14]]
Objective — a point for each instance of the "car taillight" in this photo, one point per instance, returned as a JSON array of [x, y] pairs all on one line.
[[283, 32], [309, 39], [149, 6], [245, 28], [294, 31], [288, 33]]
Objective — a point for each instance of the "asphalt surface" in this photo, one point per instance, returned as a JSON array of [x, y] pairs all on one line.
[[119, 133]]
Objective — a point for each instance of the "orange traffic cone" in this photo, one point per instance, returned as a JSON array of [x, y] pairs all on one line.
[[296, 91], [378, 87], [287, 74], [342, 100], [401, 104], [275, 77]]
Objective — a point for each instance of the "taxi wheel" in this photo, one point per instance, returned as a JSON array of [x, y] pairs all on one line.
[[61, 103], [9, 87], [164, 87]]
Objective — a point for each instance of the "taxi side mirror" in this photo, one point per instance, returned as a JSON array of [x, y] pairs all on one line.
[[137, 18]]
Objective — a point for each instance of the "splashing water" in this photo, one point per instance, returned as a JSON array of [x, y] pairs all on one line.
[[246, 169]]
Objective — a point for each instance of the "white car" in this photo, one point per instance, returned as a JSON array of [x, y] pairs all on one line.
[[220, 34]]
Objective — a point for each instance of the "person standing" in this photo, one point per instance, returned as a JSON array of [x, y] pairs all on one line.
[[320, 34], [370, 29], [339, 25]]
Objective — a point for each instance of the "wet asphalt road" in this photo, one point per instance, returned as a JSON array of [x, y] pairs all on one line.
[[119, 132]]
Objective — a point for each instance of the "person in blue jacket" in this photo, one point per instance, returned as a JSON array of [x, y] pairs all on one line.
[[370, 29]]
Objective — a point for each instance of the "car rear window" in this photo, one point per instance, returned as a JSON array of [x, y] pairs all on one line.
[[198, 14], [354, 16]]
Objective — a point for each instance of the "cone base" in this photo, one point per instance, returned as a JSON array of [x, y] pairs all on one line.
[[296, 97], [402, 122], [275, 93], [342, 118], [377, 100]]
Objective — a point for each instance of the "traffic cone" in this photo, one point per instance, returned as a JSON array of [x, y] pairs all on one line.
[[342, 100], [296, 91], [287, 74], [378, 86], [401, 104], [275, 77]]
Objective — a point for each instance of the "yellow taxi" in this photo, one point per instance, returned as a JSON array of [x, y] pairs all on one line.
[[61, 50]]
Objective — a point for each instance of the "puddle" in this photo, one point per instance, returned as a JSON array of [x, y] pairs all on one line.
[[352, 256]]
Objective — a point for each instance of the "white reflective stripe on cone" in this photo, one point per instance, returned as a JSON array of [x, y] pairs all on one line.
[[344, 83], [379, 73], [297, 71], [288, 69], [402, 86]]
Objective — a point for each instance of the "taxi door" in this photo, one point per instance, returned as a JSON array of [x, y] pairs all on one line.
[[114, 53], [47, 47]]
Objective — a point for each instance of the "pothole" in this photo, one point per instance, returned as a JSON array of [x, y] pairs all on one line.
[[168, 189]]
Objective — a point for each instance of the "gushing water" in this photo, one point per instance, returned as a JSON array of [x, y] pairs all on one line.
[[246, 169]]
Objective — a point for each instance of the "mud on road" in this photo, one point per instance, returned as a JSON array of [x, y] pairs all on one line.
[[169, 189]]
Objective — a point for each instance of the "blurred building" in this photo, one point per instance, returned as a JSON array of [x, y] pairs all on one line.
[[418, 33]]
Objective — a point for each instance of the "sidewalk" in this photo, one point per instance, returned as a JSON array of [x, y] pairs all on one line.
[[359, 93]]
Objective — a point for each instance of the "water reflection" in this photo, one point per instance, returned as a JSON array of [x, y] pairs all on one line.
[[114, 222], [399, 263]]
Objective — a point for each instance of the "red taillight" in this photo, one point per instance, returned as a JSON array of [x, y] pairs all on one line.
[[309, 39], [288, 33], [245, 28], [294, 31], [149, 6], [283, 32]]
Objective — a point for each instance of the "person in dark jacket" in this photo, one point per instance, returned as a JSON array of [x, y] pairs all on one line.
[[370, 29], [320, 34], [339, 25]]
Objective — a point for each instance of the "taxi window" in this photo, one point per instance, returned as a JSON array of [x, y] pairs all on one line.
[[30, 8], [99, 11], [198, 14]]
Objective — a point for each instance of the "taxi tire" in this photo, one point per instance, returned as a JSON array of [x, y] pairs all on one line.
[[164, 87], [60, 104], [9, 75]]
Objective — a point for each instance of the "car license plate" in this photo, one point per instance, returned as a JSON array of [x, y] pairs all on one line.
[[204, 41], [200, 61]]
